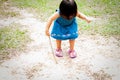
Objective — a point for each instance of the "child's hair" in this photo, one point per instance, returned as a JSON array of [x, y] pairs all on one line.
[[68, 8]]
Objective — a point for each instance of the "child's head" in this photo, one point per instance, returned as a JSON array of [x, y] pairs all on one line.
[[68, 8]]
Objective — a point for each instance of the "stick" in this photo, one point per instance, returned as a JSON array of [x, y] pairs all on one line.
[[52, 50]]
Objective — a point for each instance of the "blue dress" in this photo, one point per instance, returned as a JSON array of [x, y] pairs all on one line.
[[64, 29]]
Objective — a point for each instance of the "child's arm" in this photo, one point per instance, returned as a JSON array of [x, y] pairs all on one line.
[[49, 22], [82, 16]]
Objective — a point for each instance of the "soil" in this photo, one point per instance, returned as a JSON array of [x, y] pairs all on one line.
[[98, 57]]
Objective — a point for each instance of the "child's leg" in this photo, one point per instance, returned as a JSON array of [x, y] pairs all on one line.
[[58, 44], [58, 51], [72, 43], [71, 51]]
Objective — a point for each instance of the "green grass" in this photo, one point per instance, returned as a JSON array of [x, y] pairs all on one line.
[[107, 13], [41, 8], [12, 38], [107, 10]]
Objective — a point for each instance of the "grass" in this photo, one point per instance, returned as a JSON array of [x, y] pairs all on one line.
[[41, 8], [12, 38], [107, 14], [106, 10], [5, 11]]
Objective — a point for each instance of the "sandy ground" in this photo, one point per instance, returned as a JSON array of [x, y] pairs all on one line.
[[98, 58]]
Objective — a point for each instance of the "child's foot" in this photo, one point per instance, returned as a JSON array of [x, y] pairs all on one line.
[[72, 53], [58, 53]]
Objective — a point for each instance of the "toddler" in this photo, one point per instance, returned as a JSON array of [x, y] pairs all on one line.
[[65, 26]]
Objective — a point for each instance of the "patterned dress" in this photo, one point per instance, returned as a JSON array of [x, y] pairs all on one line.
[[64, 29]]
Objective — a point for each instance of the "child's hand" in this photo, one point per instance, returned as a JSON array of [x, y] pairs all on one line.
[[88, 19], [47, 33]]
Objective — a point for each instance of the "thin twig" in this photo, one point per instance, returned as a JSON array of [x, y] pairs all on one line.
[[52, 50]]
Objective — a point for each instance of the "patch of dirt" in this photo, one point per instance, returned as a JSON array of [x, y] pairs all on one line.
[[98, 58]]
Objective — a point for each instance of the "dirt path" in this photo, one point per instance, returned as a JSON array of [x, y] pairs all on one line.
[[98, 58]]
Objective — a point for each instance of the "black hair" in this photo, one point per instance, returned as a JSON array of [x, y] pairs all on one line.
[[68, 8]]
